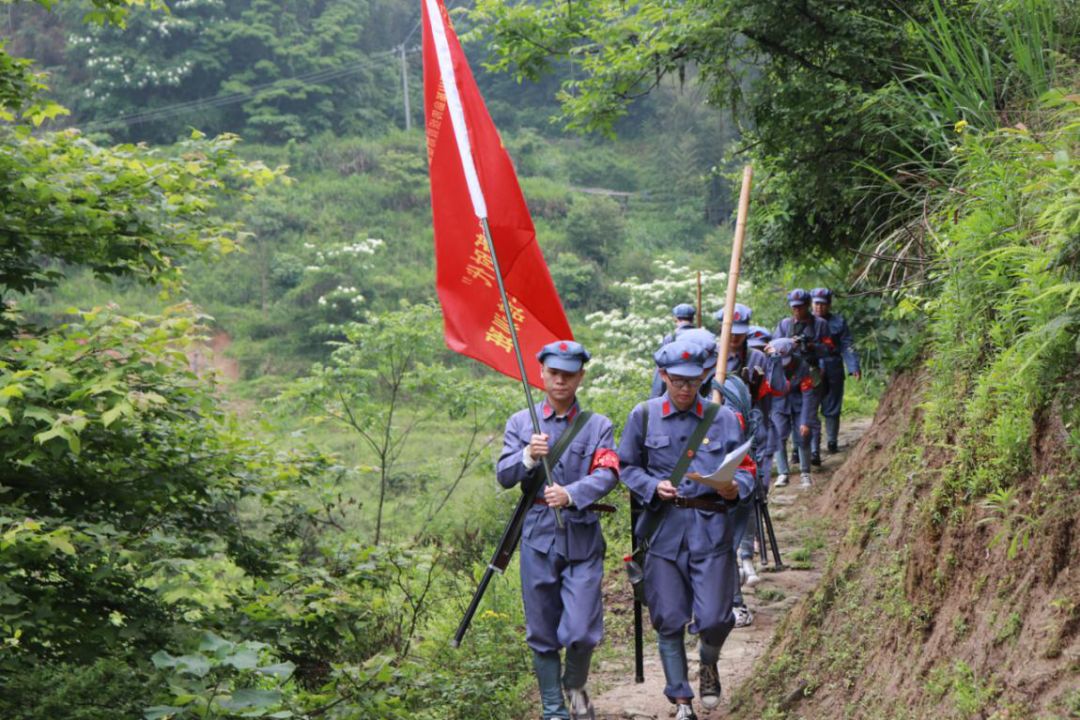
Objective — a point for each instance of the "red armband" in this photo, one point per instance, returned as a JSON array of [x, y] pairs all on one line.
[[767, 389], [829, 342], [749, 465], [605, 458], [806, 384]]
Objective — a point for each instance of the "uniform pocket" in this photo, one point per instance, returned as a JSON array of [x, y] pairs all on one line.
[[575, 461], [657, 441], [716, 530]]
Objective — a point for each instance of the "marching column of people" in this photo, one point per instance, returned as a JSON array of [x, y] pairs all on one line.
[[810, 336], [699, 544]]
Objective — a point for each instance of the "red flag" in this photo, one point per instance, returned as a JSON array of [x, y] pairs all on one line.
[[472, 178]]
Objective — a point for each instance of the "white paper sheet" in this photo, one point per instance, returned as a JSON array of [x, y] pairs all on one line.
[[723, 477]]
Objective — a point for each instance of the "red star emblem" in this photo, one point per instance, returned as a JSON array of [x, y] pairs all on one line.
[[738, 317], [686, 355], [564, 346]]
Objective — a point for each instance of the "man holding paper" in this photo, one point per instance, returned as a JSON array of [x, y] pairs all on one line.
[[689, 567]]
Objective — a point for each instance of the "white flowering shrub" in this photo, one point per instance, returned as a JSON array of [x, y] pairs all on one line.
[[622, 365], [344, 301]]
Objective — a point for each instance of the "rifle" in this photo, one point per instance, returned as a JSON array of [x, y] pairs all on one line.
[[503, 552], [512, 532], [764, 524], [639, 650]]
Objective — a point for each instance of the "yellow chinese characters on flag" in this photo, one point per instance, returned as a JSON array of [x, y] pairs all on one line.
[[472, 178]]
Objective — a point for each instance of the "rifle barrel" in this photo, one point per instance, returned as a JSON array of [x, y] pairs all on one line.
[[477, 596], [639, 650], [501, 557]]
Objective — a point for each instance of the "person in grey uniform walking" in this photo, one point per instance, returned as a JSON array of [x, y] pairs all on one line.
[[811, 336], [840, 354], [562, 568], [683, 314], [748, 364], [689, 567], [765, 379], [787, 414]]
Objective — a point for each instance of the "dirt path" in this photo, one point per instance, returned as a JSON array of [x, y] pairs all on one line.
[[803, 541]]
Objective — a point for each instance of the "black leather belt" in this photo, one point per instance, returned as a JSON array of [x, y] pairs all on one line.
[[595, 507], [715, 503]]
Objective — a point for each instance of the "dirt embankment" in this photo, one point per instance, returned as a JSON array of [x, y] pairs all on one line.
[[210, 357], [934, 606]]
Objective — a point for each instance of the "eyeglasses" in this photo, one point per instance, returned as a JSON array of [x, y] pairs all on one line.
[[685, 383]]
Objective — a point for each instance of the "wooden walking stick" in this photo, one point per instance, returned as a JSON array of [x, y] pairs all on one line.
[[733, 279], [700, 317]]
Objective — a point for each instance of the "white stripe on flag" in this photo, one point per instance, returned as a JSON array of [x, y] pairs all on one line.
[[453, 102]]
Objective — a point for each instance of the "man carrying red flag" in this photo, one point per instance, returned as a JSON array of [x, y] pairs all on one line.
[[495, 288], [562, 568]]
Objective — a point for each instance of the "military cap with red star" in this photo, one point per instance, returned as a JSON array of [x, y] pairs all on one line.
[[565, 355], [686, 359]]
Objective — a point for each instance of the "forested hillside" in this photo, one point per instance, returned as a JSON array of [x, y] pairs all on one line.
[[297, 533]]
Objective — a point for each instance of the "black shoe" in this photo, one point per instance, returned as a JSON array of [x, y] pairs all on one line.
[[815, 459], [794, 456], [709, 686], [833, 446]]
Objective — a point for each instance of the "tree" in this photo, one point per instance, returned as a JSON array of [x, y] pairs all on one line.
[[798, 76], [378, 383], [268, 70]]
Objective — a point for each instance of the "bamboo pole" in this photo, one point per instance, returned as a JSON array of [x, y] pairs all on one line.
[[700, 318], [733, 277]]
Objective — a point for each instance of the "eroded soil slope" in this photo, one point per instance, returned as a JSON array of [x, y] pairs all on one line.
[[934, 606]]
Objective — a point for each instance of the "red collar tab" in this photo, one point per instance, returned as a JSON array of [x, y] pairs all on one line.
[[668, 408], [548, 412]]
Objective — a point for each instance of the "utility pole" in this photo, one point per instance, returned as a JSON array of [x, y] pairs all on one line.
[[405, 87]]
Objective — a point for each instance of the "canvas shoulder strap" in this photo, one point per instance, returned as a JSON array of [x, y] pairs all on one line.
[[568, 437], [556, 452], [652, 521], [693, 443]]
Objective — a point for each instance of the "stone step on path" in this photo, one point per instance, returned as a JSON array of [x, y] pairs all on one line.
[[615, 694]]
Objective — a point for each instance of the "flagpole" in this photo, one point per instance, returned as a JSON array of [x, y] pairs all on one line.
[[700, 317], [517, 353], [476, 196]]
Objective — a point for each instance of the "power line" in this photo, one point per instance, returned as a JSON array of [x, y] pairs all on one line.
[[233, 98]]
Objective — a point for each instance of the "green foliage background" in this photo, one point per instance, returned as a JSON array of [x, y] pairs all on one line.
[[172, 547]]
